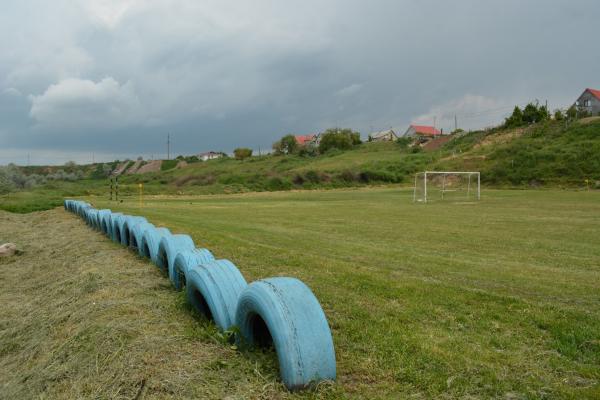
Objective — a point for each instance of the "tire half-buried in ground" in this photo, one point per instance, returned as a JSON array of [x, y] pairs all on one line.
[[150, 241], [213, 290], [168, 248], [286, 312], [184, 261], [135, 235], [117, 225], [130, 221]]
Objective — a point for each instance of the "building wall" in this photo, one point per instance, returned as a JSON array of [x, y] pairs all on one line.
[[410, 132], [588, 98]]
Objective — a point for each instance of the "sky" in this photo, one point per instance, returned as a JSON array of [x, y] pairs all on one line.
[[99, 80]]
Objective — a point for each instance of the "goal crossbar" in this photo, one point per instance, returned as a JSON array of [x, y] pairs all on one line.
[[444, 174]]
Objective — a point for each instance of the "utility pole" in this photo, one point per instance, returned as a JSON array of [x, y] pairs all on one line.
[[168, 146], [434, 121], [455, 123]]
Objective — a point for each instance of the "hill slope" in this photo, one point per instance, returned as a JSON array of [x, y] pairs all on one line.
[[545, 154]]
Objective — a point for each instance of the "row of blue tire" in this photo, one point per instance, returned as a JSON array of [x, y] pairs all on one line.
[[279, 311]]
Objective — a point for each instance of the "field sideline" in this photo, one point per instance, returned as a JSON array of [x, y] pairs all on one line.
[[498, 298]]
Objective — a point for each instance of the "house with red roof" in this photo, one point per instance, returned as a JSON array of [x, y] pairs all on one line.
[[422, 132], [310, 139], [589, 102]]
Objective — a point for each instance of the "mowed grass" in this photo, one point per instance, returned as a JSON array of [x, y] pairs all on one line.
[[83, 317], [492, 299]]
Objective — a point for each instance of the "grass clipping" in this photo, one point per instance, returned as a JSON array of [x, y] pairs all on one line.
[[82, 317]]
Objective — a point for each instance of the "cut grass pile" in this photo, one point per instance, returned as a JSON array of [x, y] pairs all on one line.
[[494, 299], [82, 317]]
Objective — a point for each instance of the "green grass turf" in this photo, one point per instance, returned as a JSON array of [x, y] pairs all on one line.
[[499, 298]]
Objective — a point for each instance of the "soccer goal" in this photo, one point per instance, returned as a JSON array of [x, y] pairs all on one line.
[[447, 185]]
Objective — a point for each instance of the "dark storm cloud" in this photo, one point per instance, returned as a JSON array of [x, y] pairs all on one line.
[[114, 77]]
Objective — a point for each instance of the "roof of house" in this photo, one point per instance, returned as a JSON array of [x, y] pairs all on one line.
[[208, 153], [426, 130], [376, 135], [302, 139], [594, 92]]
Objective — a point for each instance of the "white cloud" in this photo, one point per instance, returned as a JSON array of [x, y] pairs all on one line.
[[109, 12], [349, 90], [12, 92], [78, 103]]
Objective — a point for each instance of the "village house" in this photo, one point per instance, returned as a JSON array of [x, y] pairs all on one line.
[[383, 136], [311, 139], [422, 133], [210, 155], [589, 102]]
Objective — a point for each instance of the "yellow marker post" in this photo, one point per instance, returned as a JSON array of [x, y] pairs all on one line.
[[141, 191]]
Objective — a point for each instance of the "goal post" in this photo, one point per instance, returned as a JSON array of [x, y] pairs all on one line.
[[447, 185]]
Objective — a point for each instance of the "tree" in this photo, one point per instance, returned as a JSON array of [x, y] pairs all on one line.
[[515, 120], [289, 144], [531, 114], [242, 153], [342, 139], [286, 145], [558, 115], [572, 112], [6, 183]]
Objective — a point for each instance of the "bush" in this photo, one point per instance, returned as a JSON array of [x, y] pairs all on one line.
[[166, 165], [347, 176], [313, 176], [404, 142], [242, 153], [342, 139], [558, 115], [277, 183], [531, 114], [102, 171], [378, 176], [286, 145], [307, 151]]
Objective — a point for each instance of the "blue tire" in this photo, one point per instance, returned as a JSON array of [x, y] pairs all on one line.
[[90, 216], [168, 248], [150, 241], [136, 233], [117, 228], [184, 261], [285, 312], [83, 209], [111, 224], [127, 226], [213, 290], [103, 219], [99, 218]]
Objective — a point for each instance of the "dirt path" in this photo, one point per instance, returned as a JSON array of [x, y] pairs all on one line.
[[82, 317]]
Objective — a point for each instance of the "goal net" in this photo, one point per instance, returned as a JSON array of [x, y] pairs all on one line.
[[447, 185]]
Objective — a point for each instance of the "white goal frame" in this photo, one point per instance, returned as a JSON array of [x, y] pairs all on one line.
[[425, 174]]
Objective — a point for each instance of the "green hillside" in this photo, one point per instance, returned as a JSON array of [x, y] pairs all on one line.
[[548, 154]]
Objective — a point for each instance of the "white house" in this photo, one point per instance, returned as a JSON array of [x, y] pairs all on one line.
[[589, 102], [210, 155], [383, 136]]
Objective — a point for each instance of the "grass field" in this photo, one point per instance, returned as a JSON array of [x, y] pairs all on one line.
[[495, 299]]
